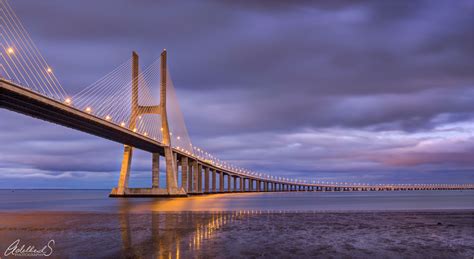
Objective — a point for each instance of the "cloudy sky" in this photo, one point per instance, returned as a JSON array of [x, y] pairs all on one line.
[[353, 91]]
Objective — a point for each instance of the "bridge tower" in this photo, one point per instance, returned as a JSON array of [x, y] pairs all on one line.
[[136, 111]]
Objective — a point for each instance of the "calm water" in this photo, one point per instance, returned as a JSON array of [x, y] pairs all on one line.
[[98, 201], [88, 224]]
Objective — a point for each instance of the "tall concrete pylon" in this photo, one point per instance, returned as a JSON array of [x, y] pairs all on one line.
[[171, 163], [122, 185], [138, 110]]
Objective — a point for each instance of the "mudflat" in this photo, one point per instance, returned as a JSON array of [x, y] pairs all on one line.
[[249, 234]]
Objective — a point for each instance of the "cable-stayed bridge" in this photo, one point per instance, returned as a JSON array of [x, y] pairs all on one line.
[[139, 109]]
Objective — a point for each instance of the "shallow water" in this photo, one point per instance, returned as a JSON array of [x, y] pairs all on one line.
[[88, 224], [98, 201]]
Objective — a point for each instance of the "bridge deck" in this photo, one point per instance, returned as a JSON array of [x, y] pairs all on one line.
[[18, 99], [21, 100]]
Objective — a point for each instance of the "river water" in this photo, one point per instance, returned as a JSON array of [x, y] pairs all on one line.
[[88, 224], [98, 201]]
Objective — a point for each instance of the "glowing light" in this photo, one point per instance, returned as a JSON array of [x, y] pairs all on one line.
[[88, 109], [10, 51], [108, 118], [178, 138], [49, 70], [134, 129], [68, 101], [161, 129], [145, 134], [122, 124]]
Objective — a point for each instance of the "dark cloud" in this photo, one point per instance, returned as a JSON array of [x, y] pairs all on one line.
[[250, 75]]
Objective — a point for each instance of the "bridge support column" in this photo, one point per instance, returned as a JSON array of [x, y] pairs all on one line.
[[176, 163], [235, 183], [214, 180], [242, 184], [190, 176], [184, 173], [171, 181], [170, 158], [228, 182], [155, 171], [195, 177], [125, 170], [221, 181], [199, 170], [258, 185], [206, 179]]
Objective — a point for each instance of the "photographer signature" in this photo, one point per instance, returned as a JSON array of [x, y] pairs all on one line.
[[17, 249]]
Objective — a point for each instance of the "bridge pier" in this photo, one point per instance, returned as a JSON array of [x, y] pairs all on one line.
[[199, 170], [214, 181], [229, 183], [170, 157], [235, 183], [206, 180], [190, 176], [155, 170], [125, 170], [184, 173], [195, 177], [221, 181]]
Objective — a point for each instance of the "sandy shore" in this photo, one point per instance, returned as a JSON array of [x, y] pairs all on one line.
[[247, 234]]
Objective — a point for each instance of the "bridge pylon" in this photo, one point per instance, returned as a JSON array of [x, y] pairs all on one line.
[[171, 164]]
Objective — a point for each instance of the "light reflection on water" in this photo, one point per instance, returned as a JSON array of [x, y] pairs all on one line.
[[86, 223], [98, 200], [174, 235]]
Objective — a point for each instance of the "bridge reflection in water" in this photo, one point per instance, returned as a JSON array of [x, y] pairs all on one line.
[[172, 234], [230, 224]]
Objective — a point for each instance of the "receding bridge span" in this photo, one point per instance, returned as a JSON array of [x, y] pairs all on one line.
[[121, 108], [197, 176]]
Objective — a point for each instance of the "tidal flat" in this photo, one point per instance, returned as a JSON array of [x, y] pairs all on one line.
[[244, 234]]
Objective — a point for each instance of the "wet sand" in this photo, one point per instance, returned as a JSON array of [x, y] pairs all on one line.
[[245, 234]]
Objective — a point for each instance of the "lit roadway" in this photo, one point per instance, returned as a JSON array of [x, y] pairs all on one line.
[[18, 99]]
